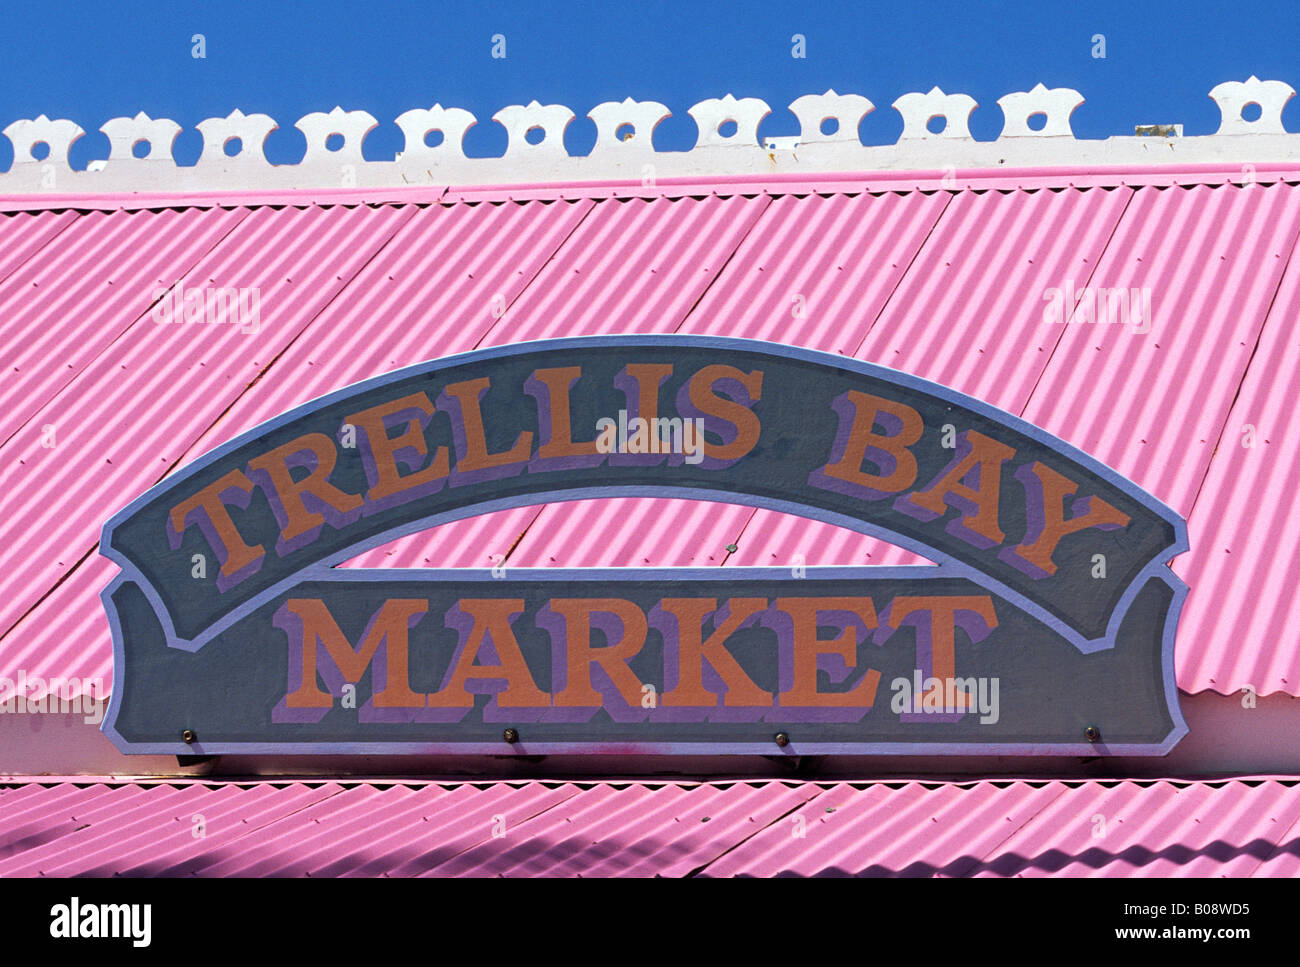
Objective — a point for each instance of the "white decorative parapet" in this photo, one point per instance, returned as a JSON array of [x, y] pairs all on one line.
[[814, 110], [640, 118], [450, 122], [919, 110], [245, 132], [713, 115], [1234, 96], [727, 143], [125, 133], [55, 136], [550, 119], [1055, 105], [350, 127]]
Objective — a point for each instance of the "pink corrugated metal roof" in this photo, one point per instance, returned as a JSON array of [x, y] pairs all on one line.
[[1237, 828], [1244, 570], [85, 286], [1152, 406], [946, 284]]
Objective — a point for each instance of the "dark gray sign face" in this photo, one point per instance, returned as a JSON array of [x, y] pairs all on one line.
[[1046, 627]]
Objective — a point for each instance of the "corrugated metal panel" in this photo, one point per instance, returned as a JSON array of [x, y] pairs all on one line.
[[1150, 406], [631, 266], [75, 296], [137, 408], [769, 828], [1026, 829], [771, 539], [1244, 567], [1163, 829], [481, 541], [630, 532], [24, 234]]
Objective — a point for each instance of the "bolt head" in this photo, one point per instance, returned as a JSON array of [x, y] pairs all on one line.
[[782, 740], [511, 736], [1092, 733], [188, 737]]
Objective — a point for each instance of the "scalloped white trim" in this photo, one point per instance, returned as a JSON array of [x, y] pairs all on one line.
[[624, 151]]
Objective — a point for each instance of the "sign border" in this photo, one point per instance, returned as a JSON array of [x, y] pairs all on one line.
[[945, 566]]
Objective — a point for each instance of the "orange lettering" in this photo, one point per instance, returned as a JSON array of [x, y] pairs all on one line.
[[382, 451], [808, 649], [693, 651], [390, 625]]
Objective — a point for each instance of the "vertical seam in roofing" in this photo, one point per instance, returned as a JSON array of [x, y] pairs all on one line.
[[301, 332], [1101, 257], [703, 867], [767, 203], [181, 271], [547, 805], [994, 848], [337, 788], [540, 268], [905, 273], [1247, 498], [67, 573], [67, 224], [1277, 850], [1288, 266]]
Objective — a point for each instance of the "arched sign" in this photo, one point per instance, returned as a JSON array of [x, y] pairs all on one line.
[[1045, 627]]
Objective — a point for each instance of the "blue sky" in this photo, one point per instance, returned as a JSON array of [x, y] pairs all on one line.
[[93, 61]]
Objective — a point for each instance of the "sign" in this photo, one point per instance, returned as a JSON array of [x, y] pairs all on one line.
[[1045, 626]]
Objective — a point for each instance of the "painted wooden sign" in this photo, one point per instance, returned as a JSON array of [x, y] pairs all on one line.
[[1046, 625]]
